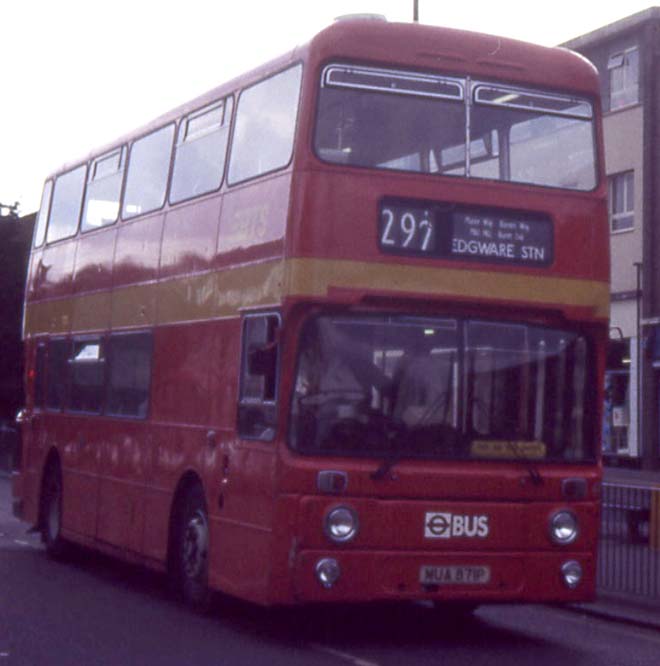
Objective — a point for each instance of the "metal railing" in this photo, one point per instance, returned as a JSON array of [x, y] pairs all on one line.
[[629, 551]]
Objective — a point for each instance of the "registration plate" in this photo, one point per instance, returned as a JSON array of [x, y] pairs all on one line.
[[454, 575]]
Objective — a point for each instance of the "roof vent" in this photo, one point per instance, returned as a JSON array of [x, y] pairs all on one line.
[[361, 17]]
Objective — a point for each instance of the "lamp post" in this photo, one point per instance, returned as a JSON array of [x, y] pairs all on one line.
[[416, 11], [638, 375]]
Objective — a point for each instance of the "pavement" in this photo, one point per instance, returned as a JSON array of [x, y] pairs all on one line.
[[629, 609], [632, 477]]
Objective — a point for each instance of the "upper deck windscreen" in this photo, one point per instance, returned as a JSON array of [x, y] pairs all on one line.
[[453, 126]]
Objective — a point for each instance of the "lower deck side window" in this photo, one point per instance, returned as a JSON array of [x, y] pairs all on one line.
[[129, 376], [57, 373], [102, 375], [87, 375]]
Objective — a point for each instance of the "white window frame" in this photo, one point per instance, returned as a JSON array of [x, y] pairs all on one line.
[[619, 219], [628, 93]]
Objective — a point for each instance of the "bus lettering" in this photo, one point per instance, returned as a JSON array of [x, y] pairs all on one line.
[[484, 248]]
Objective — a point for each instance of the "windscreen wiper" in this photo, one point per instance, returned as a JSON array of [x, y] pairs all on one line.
[[393, 431], [384, 470], [533, 471]]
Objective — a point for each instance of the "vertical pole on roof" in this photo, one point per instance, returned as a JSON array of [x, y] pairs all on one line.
[[416, 11]]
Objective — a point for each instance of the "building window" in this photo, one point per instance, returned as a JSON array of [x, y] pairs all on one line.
[[622, 201], [624, 78], [616, 420]]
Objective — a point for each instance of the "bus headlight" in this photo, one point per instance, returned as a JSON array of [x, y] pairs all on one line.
[[341, 524], [564, 527], [327, 572], [571, 572]]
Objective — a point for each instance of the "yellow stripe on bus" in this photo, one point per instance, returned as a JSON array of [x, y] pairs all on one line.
[[226, 292], [314, 276]]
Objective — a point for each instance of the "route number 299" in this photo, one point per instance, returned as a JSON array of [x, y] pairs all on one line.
[[406, 229]]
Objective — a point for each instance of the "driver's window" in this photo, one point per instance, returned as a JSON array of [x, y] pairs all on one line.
[[259, 369]]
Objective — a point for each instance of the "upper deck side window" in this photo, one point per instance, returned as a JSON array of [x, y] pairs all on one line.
[[199, 158], [265, 126], [42, 218], [434, 124], [66, 204], [148, 172], [104, 190]]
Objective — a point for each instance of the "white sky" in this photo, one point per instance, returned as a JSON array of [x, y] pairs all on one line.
[[76, 74]]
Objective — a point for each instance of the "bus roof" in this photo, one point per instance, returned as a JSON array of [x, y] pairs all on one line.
[[408, 46], [458, 52]]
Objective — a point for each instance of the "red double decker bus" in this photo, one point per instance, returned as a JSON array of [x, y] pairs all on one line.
[[333, 331]]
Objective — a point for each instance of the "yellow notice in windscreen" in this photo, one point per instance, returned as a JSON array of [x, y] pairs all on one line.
[[505, 448]]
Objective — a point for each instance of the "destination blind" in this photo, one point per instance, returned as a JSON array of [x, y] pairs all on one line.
[[465, 233]]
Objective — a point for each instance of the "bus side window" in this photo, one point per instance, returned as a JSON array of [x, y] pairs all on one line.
[[57, 374], [257, 410], [44, 212], [101, 206], [199, 158], [66, 204], [265, 126], [129, 375], [40, 376], [148, 170], [87, 376]]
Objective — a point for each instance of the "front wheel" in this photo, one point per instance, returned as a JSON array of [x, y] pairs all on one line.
[[51, 512], [191, 551]]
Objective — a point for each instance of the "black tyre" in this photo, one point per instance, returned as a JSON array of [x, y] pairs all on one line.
[[190, 562], [51, 512]]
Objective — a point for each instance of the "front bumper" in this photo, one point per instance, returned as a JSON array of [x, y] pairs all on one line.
[[393, 575]]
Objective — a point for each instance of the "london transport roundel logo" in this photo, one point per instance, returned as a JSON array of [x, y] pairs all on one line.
[[439, 525]]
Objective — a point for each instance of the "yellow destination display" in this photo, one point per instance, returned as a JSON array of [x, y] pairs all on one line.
[[490, 448]]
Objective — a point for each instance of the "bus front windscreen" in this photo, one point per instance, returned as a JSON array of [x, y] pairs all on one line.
[[422, 123], [411, 387]]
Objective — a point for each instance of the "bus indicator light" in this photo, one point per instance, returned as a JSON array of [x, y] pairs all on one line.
[[331, 482]]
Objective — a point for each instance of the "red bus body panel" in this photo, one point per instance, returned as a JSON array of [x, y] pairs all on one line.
[[297, 240]]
